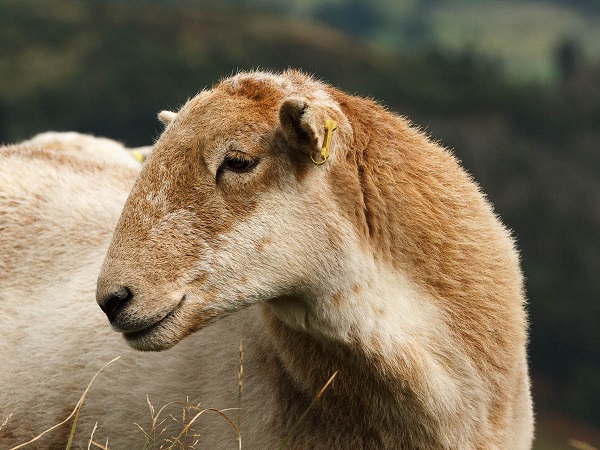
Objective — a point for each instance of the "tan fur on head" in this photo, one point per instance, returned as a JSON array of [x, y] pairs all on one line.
[[387, 264]]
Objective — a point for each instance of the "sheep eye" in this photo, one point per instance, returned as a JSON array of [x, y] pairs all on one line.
[[238, 163]]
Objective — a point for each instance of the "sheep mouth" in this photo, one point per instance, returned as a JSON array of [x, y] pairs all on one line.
[[133, 335], [158, 335]]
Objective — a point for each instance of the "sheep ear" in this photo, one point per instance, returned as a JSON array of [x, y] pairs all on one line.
[[166, 117], [299, 125]]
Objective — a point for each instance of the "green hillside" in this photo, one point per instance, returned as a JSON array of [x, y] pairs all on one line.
[[523, 35]]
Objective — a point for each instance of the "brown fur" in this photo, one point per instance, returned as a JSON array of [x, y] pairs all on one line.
[[453, 257]]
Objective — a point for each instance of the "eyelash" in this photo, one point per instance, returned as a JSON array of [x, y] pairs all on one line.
[[237, 162]]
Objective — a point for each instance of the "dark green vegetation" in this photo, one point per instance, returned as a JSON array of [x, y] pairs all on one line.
[[109, 67]]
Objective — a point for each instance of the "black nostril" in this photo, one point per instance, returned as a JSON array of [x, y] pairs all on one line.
[[114, 302]]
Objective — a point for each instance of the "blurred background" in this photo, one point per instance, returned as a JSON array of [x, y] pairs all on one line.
[[513, 87]]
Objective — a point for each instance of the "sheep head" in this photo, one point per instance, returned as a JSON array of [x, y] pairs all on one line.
[[228, 211]]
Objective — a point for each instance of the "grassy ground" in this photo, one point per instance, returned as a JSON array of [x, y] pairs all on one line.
[[556, 431]]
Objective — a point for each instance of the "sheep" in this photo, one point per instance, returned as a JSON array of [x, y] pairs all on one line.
[[97, 148], [339, 239]]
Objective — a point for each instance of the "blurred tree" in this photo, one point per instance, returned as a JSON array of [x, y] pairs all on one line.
[[355, 16], [567, 57]]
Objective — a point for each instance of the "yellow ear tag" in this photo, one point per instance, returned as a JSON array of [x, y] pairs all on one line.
[[330, 125], [138, 155]]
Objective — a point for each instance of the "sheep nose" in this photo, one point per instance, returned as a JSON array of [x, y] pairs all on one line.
[[114, 302]]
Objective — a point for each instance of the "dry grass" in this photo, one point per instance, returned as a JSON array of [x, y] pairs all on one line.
[[305, 413], [183, 419], [580, 445], [5, 421], [188, 437], [74, 413]]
